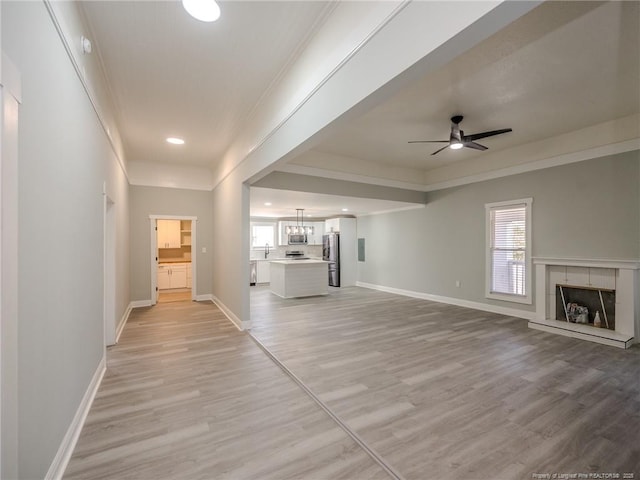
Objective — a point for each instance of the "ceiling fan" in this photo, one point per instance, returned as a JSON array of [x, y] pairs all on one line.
[[458, 139]]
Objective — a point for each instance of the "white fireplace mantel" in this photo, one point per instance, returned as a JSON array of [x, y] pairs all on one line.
[[623, 274]]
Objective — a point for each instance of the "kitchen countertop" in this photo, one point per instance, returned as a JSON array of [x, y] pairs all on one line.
[[164, 262]]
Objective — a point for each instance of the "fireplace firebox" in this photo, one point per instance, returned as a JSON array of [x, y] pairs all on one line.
[[577, 304]]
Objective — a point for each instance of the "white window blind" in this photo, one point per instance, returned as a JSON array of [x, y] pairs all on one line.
[[508, 255]]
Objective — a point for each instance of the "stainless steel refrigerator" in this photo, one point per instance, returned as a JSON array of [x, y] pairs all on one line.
[[331, 254]]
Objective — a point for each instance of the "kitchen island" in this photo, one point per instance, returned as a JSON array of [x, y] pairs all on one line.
[[299, 278]]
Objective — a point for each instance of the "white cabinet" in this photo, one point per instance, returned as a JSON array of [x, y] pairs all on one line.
[[163, 277], [318, 231], [263, 270], [178, 276], [168, 233], [189, 278], [172, 276]]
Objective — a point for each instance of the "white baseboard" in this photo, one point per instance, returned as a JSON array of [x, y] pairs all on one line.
[[59, 464], [123, 321], [140, 303], [240, 325], [511, 312], [205, 298]]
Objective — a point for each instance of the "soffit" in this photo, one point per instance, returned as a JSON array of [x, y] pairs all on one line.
[[560, 68]]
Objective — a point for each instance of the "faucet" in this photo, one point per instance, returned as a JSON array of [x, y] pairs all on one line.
[[266, 250]]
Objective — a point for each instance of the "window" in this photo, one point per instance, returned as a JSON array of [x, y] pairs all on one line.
[[263, 234], [509, 250]]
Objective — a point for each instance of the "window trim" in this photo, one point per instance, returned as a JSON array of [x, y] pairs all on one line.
[[274, 225], [527, 298]]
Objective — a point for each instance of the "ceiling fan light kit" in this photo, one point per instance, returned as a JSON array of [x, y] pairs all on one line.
[[458, 140]]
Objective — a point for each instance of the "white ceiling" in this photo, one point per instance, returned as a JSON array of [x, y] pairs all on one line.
[[172, 75], [562, 67], [285, 202]]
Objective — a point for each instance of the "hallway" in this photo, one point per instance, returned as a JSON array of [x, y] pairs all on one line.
[[186, 395]]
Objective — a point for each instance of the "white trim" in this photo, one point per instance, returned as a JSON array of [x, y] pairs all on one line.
[[349, 177], [556, 161], [140, 303], [173, 217], [510, 312], [123, 321], [527, 298], [207, 297], [221, 178], [154, 252], [87, 89], [584, 262], [240, 325], [596, 335], [392, 210], [564, 159], [60, 461]]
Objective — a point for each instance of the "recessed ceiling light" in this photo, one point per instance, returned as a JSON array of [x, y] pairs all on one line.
[[175, 141], [203, 10], [345, 209], [267, 204]]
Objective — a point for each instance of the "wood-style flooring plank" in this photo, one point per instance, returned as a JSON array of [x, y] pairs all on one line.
[[187, 396], [446, 392]]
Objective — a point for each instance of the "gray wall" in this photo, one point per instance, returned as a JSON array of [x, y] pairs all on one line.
[[587, 209], [64, 158], [145, 201], [231, 230]]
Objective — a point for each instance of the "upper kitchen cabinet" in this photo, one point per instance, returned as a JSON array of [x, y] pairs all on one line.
[[185, 233], [315, 238], [169, 235]]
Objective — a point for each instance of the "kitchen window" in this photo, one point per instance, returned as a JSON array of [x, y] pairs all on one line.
[[263, 234], [508, 263]]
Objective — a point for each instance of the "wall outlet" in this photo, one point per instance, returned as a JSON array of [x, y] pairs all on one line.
[[458, 283], [204, 249]]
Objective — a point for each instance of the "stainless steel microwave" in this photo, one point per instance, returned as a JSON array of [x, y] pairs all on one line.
[[297, 239]]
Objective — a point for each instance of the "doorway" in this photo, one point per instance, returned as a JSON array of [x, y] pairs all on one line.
[[109, 268], [173, 258]]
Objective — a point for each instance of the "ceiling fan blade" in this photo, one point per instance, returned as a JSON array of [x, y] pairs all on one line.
[[478, 136], [429, 141], [475, 146], [440, 149]]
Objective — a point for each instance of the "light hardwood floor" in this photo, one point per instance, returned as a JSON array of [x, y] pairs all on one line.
[[445, 392], [187, 396], [441, 392]]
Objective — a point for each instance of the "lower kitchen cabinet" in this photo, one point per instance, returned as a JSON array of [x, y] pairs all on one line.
[[172, 276], [263, 271], [163, 277]]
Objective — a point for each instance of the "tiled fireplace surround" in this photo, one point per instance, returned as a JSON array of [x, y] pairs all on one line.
[[619, 275]]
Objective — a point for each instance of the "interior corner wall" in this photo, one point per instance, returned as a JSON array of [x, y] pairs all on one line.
[[582, 210], [231, 238], [145, 201], [64, 159]]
